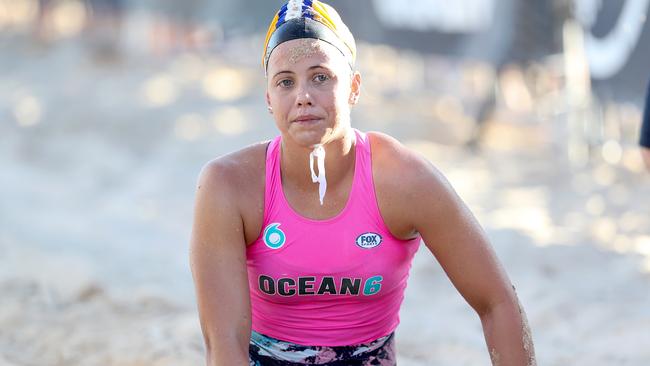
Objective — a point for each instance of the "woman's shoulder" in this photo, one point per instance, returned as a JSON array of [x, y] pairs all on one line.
[[406, 184], [239, 172], [233, 184], [391, 159]]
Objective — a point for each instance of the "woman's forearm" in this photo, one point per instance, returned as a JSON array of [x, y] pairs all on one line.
[[508, 335]]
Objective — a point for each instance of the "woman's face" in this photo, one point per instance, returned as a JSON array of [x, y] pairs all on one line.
[[310, 89]]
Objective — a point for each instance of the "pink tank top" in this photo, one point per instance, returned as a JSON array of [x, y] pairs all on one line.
[[332, 282]]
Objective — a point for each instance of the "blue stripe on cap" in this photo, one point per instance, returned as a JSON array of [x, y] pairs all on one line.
[[307, 10], [281, 16]]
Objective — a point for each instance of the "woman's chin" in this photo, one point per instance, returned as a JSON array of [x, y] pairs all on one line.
[[309, 137]]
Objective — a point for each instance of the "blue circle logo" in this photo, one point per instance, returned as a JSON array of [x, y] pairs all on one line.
[[274, 238], [368, 240]]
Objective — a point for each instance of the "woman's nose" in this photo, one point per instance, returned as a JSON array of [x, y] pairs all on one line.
[[304, 97]]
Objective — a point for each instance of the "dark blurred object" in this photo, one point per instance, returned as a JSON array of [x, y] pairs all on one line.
[[517, 34], [105, 21], [501, 33], [617, 41], [42, 29], [644, 139], [511, 30], [177, 27]]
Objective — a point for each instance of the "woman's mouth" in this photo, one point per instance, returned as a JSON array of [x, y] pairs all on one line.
[[308, 118]]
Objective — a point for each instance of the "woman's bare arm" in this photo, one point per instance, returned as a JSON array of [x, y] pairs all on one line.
[[455, 238], [218, 262], [417, 198]]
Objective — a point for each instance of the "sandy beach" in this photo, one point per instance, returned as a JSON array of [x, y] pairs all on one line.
[[98, 165]]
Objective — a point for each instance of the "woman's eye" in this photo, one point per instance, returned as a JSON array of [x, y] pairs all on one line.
[[285, 83], [321, 78]]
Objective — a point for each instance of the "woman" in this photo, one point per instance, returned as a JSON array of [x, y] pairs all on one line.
[[301, 246]]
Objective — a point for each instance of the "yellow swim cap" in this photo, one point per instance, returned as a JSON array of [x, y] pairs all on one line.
[[309, 19]]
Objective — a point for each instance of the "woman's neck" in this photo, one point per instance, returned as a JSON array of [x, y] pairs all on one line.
[[339, 161]]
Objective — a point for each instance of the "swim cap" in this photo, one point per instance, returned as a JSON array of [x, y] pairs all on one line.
[[309, 19]]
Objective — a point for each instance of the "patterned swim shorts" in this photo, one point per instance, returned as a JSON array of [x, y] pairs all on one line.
[[267, 351]]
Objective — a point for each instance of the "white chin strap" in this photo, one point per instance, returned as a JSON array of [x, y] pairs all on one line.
[[319, 153]]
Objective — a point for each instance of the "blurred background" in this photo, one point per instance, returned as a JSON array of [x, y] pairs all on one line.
[[109, 109]]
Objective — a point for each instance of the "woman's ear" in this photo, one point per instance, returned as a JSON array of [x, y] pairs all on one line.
[[355, 88], [268, 103]]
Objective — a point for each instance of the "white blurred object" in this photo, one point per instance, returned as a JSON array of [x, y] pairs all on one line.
[[607, 55], [464, 16]]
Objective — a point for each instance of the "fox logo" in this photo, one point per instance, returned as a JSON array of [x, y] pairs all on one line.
[[368, 240]]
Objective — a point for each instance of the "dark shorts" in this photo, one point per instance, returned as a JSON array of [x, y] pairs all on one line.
[[267, 351]]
